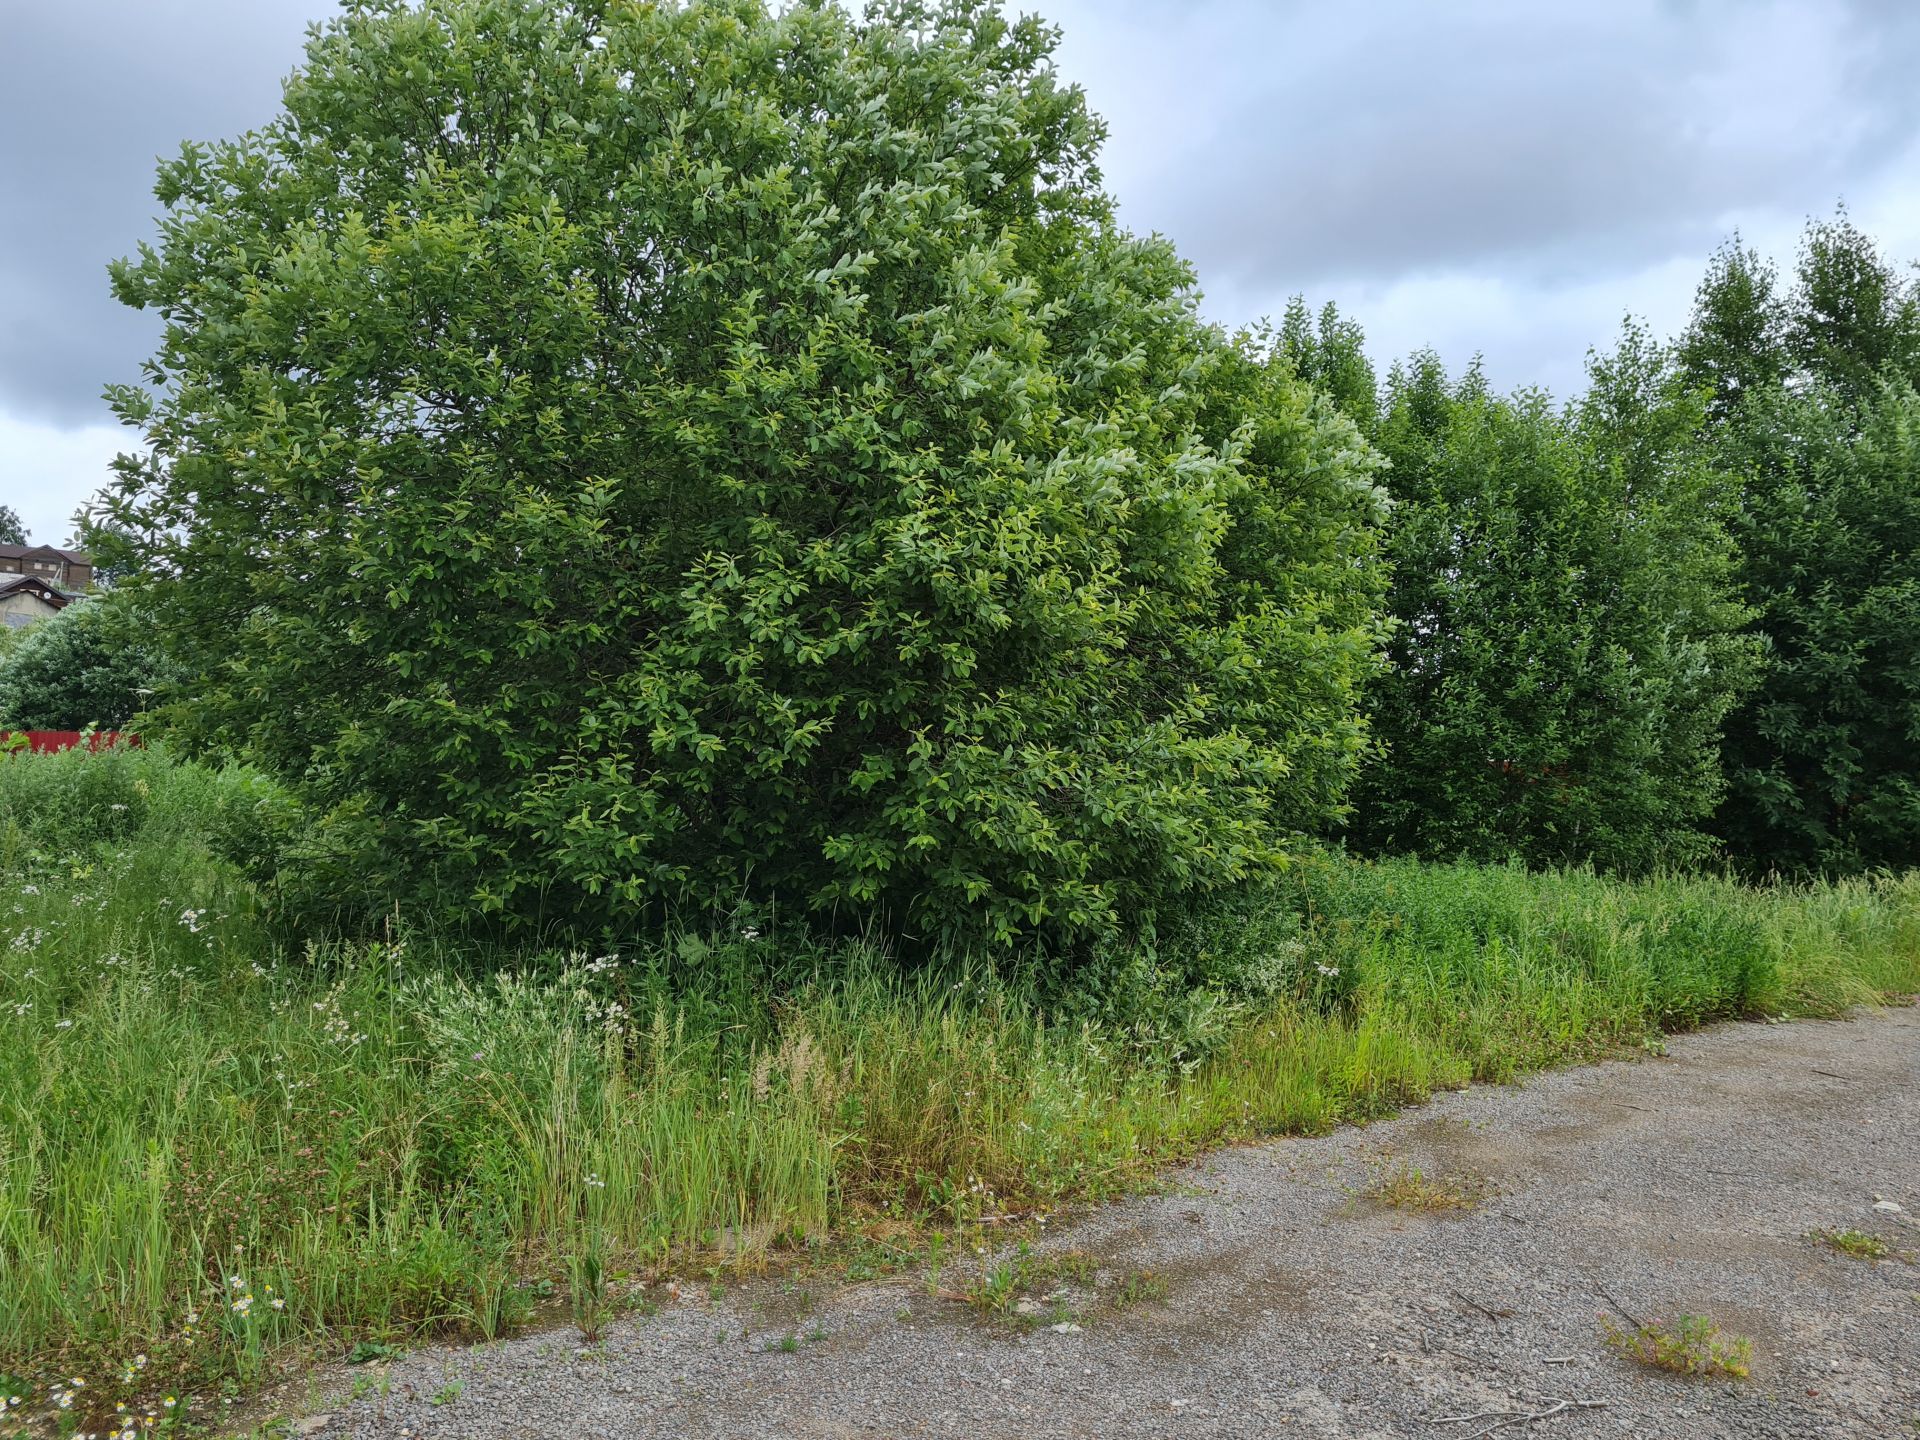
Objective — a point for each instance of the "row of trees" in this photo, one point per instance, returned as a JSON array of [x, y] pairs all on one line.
[[1679, 617], [612, 456]]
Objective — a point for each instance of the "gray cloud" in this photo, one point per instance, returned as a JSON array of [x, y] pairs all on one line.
[[91, 93], [1492, 174], [1545, 142]]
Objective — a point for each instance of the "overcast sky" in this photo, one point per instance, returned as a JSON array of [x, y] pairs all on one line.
[[1501, 178]]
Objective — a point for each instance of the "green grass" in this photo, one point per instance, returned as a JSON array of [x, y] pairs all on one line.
[[415, 1136]]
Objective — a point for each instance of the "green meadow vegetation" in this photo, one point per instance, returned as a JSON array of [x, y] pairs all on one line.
[[731, 675], [226, 1145]]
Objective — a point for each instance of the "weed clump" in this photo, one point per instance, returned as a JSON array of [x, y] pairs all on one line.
[[1856, 1243], [1689, 1345], [422, 1134], [1406, 1187]]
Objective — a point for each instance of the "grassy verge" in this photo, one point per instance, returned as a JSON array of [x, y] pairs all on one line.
[[216, 1149]]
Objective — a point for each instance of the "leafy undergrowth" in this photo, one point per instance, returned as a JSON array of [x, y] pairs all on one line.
[[223, 1149]]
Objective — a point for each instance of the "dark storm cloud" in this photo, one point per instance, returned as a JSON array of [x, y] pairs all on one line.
[[91, 92]]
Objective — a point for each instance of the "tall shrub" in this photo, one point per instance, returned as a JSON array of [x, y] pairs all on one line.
[[1564, 652], [612, 454]]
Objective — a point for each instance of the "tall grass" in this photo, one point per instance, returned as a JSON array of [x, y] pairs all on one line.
[[216, 1143]]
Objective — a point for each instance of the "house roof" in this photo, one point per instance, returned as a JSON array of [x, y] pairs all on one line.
[[44, 552], [10, 584]]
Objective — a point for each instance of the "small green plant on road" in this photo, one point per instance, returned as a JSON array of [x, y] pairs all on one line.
[[1689, 1345], [1856, 1243]]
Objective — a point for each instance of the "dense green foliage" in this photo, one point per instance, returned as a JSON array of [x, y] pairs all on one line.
[[414, 1136], [12, 532], [94, 663], [1331, 354], [1814, 412], [612, 455], [710, 489], [1562, 595]]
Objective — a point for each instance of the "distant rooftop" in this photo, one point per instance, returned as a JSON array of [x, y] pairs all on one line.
[[23, 552]]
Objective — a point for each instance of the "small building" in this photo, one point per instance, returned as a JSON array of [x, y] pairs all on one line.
[[69, 570], [27, 598]]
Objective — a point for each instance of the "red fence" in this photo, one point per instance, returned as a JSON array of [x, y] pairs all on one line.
[[51, 740]]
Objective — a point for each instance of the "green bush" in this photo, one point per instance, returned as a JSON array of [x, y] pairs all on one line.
[[73, 803], [94, 663], [770, 474]]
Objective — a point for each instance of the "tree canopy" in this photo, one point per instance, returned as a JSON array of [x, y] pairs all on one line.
[[1815, 415], [1563, 652], [616, 454]]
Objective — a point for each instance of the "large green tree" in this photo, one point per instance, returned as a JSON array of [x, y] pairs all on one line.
[[1813, 411], [613, 454], [12, 532], [1565, 649], [1854, 319]]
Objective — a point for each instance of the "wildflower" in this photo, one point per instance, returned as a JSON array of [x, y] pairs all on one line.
[[277, 1303], [64, 1025]]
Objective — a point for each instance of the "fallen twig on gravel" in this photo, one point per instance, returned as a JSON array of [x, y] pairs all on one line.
[[1494, 1315], [1614, 1300], [1503, 1418]]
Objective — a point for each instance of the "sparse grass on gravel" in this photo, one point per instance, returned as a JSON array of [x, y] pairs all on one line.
[[1407, 1187], [417, 1136]]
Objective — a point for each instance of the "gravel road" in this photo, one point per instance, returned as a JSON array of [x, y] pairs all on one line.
[[1295, 1306]]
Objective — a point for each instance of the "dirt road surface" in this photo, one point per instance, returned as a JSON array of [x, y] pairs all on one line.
[[1263, 1294]]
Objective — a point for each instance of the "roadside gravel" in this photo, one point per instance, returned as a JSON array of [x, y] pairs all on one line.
[[1294, 1306]]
